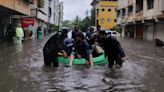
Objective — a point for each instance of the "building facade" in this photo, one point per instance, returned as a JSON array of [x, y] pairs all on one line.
[[10, 10], [46, 14], [61, 14], [106, 13], [142, 19]]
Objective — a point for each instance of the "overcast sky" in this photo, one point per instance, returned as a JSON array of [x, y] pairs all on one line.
[[73, 8]]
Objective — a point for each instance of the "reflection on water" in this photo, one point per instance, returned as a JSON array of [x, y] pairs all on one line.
[[22, 70], [19, 47]]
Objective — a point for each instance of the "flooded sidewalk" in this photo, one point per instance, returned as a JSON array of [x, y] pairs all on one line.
[[22, 70]]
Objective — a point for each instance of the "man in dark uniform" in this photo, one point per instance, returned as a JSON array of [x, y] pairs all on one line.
[[113, 50], [51, 49], [74, 32]]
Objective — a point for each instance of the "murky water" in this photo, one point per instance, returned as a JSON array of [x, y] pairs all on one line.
[[22, 70]]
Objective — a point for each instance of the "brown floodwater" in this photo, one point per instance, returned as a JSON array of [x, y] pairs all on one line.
[[22, 70]]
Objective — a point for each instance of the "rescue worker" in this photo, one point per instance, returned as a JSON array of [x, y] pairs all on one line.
[[113, 50]]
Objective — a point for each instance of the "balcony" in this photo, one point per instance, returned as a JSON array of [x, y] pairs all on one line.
[[149, 14], [139, 16]]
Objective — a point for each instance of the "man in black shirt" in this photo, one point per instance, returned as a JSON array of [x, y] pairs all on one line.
[[82, 49], [112, 48], [51, 49], [74, 33]]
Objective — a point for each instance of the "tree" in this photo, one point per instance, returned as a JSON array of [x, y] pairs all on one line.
[[67, 23], [76, 22], [85, 23], [118, 29], [93, 12]]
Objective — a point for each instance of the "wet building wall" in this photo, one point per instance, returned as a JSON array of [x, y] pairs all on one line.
[[4, 22], [149, 31], [159, 32], [139, 31]]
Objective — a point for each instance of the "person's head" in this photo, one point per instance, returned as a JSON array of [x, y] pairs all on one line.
[[64, 32], [98, 27], [92, 29], [76, 28], [102, 34], [80, 36], [19, 25]]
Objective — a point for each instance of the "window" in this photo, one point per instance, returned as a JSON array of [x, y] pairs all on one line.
[[150, 4], [97, 11], [123, 12], [102, 21], [130, 10], [109, 20], [118, 13], [139, 6], [103, 9], [115, 20], [49, 11], [109, 10]]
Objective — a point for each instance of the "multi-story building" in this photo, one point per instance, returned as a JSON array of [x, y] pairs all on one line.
[[9, 12], [46, 13], [142, 18], [106, 13], [60, 14]]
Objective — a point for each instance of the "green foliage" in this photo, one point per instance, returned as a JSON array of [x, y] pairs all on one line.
[[93, 12], [67, 23], [76, 22], [118, 29], [85, 23], [56, 27]]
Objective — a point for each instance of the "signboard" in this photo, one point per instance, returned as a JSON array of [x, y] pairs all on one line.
[[26, 22]]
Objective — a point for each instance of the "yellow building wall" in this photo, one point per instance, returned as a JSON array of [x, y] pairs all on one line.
[[17, 5], [108, 16]]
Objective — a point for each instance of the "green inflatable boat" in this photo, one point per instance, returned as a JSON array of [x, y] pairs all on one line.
[[100, 60]]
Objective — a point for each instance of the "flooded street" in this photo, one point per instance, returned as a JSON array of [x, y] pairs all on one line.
[[22, 70]]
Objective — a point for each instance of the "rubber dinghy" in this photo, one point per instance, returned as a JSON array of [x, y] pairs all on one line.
[[100, 60]]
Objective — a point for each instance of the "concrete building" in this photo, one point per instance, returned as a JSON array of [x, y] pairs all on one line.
[[106, 13], [58, 13], [46, 14], [142, 19], [61, 14], [9, 12]]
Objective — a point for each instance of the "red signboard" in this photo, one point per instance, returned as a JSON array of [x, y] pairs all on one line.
[[26, 22]]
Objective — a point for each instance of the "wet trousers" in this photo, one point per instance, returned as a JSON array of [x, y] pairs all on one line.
[[113, 61], [50, 59]]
